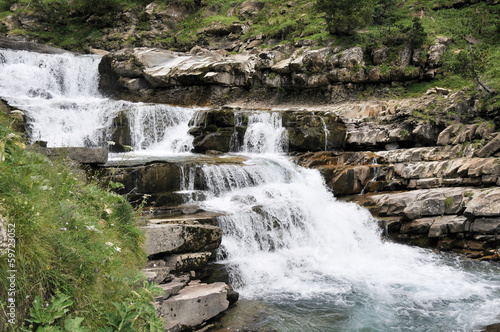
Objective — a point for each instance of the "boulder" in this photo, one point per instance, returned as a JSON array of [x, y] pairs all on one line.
[[251, 8], [351, 57], [176, 238], [484, 205], [434, 54], [485, 226], [196, 304], [380, 55], [490, 148]]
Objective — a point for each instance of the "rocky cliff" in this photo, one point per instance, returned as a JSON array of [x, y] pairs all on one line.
[[203, 77]]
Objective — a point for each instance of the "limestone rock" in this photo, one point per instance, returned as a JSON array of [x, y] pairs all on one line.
[[157, 275], [380, 55], [486, 226], [81, 155], [434, 54], [175, 238], [490, 148], [188, 262], [250, 8], [351, 57], [196, 304], [486, 204], [308, 131]]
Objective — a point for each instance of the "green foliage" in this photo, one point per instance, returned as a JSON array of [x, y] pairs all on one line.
[[384, 11], [47, 313], [6, 4], [344, 16], [79, 249], [96, 7]]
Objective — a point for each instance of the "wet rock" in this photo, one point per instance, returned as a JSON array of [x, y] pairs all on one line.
[[218, 141], [120, 134], [175, 238], [29, 46], [418, 226], [309, 131]]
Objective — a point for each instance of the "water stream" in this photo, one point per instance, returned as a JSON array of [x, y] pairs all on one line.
[[301, 260]]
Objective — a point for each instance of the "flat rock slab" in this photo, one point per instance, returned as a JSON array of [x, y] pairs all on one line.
[[197, 218], [156, 274], [176, 238], [196, 304], [188, 262], [81, 155]]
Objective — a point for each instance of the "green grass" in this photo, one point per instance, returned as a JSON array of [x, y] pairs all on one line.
[[73, 240]]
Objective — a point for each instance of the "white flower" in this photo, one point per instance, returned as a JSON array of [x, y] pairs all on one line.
[[93, 229]]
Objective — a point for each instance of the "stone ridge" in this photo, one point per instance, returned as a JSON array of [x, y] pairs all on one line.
[[203, 77]]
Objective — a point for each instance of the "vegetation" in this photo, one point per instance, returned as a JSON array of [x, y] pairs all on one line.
[[471, 59], [77, 249]]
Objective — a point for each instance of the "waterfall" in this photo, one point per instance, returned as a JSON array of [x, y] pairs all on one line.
[[325, 129], [315, 263], [265, 133], [287, 240], [60, 96], [373, 179]]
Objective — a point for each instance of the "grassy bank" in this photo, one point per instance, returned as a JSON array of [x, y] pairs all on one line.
[[77, 251]]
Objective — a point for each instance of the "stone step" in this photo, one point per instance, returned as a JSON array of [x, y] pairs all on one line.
[[203, 218], [167, 239], [157, 275]]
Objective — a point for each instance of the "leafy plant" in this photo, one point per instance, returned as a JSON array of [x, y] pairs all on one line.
[[344, 16], [47, 313]]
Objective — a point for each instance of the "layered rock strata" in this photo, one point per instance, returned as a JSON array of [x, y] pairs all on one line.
[[180, 249], [205, 77]]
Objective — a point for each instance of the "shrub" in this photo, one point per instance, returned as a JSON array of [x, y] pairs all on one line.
[[344, 16]]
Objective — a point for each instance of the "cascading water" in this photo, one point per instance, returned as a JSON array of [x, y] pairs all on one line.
[[313, 263], [320, 265], [59, 94]]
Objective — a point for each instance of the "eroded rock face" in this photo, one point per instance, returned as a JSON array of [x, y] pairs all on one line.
[[175, 238], [142, 73], [224, 130]]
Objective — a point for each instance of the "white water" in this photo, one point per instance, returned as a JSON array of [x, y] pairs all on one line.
[[315, 263], [59, 94], [289, 242]]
